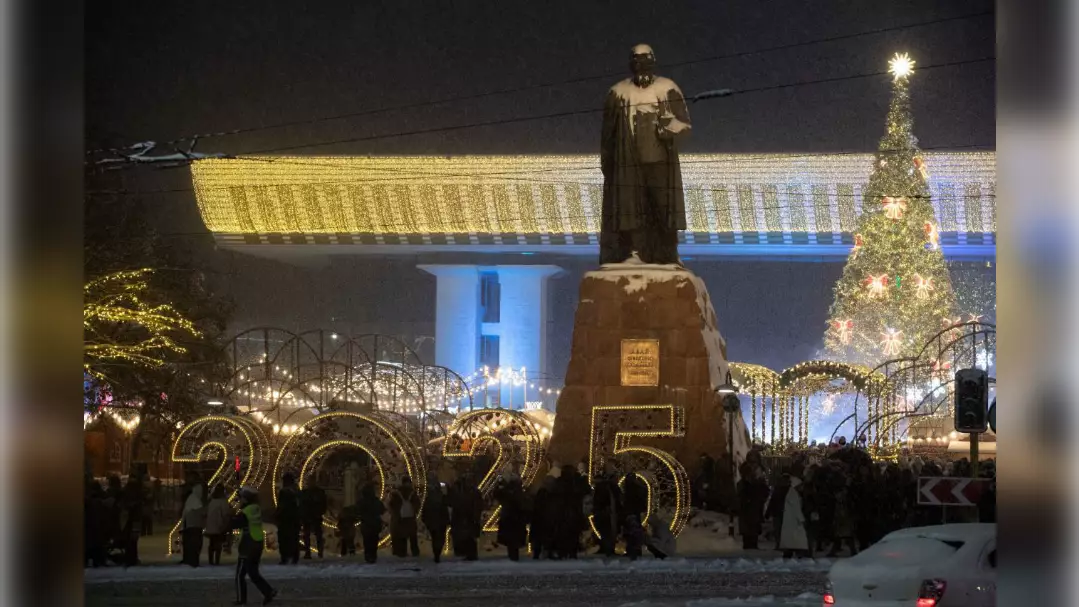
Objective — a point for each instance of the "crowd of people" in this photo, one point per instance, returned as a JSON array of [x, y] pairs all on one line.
[[836, 497], [820, 502], [551, 520], [115, 516]]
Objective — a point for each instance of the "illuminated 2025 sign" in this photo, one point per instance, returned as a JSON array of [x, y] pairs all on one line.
[[504, 438]]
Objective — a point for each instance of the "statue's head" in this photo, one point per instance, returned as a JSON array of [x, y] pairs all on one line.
[[642, 61]]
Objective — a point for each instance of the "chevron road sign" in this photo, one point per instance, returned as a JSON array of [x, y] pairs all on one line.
[[949, 491]]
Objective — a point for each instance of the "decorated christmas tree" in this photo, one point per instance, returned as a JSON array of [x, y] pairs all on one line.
[[895, 291]]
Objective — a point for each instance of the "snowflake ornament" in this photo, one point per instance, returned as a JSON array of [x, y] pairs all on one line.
[[827, 405]]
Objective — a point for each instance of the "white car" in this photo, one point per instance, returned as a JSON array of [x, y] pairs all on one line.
[[937, 566]]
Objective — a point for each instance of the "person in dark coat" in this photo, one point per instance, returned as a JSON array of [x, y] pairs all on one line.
[[843, 530], [866, 499], [95, 520], [312, 509], [347, 520], [776, 505], [810, 509], [823, 482], [404, 510], [544, 516], [371, 510], [635, 496], [114, 499], [148, 503], [607, 510], [569, 505], [436, 515], [703, 485], [288, 521], [131, 514], [513, 516], [466, 510], [634, 535], [752, 496]]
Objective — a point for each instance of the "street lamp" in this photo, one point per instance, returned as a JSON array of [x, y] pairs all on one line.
[[728, 386], [732, 405]]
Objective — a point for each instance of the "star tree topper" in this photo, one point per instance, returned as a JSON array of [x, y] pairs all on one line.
[[901, 66]]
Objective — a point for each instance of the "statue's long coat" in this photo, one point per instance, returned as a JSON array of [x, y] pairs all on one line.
[[623, 194]]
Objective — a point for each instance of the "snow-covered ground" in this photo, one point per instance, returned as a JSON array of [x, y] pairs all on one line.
[[392, 567], [805, 599]]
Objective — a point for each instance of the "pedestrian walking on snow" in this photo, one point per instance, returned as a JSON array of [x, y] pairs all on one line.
[[249, 522]]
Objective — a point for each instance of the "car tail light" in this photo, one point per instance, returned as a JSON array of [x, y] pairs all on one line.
[[931, 592], [829, 598]]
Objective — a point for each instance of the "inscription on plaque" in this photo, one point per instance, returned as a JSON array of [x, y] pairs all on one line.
[[640, 362]]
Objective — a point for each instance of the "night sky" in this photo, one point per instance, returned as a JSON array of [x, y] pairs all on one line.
[[158, 71]]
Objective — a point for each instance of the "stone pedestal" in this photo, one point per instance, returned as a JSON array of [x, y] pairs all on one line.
[[638, 301]]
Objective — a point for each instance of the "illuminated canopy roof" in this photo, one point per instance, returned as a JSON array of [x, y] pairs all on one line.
[[789, 203]]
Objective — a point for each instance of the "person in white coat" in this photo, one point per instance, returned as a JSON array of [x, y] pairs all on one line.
[[792, 539], [219, 515], [192, 524]]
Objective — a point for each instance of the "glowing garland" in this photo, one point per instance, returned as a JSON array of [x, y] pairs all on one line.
[[118, 300], [190, 448], [536, 194], [507, 430], [604, 421], [365, 432]]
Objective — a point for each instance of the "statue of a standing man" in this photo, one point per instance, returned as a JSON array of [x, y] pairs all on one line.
[[643, 202]]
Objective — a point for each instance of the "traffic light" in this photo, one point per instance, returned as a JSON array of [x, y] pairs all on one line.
[[971, 400]]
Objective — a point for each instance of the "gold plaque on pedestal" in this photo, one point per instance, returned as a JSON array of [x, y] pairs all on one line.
[[640, 362]]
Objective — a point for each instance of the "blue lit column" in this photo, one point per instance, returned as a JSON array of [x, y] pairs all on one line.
[[522, 323], [457, 316]]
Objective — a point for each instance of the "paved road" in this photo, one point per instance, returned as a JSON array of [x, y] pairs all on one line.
[[410, 586]]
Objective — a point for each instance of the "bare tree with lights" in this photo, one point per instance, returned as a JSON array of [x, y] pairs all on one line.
[[895, 292], [152, 325]]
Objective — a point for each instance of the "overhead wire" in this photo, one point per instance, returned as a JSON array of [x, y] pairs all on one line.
[[502, 175], [579, 112], [550, 84], [250, 156]]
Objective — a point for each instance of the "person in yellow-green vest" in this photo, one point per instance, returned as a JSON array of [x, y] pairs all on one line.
[[249, 521]]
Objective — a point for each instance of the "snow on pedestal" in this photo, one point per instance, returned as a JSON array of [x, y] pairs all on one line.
[[643, 301]]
